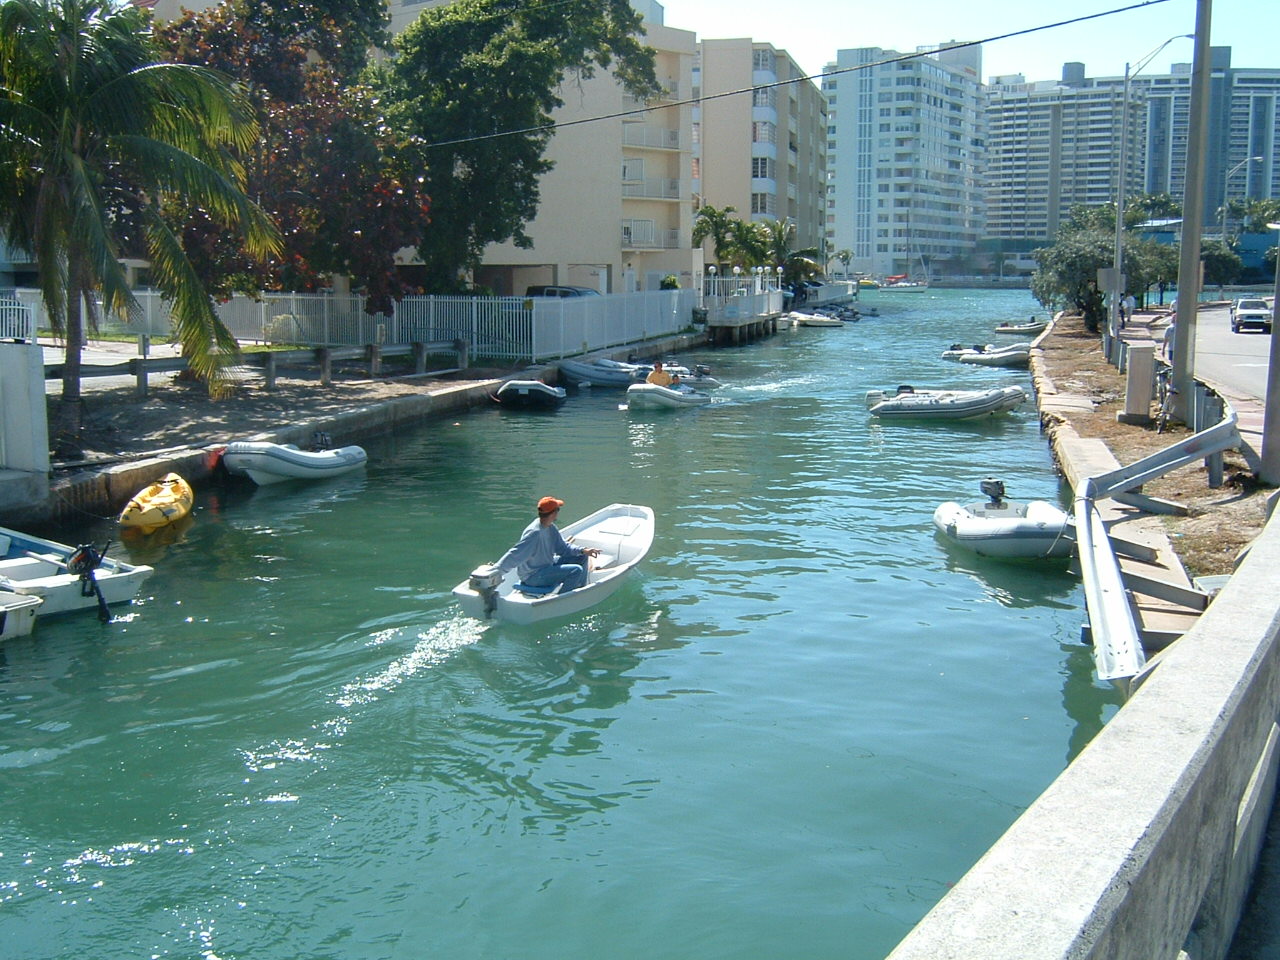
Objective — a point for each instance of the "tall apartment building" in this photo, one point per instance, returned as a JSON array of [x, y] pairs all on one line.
[[1056, 143], [1244, 122], [760, 137], [1052, 145], [905, 149]]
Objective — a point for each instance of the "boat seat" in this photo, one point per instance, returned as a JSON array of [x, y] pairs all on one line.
[[602, 560], [532, 591]]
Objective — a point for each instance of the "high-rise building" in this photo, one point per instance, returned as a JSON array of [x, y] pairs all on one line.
[[760, 137], [1050, 146], [905, 148]]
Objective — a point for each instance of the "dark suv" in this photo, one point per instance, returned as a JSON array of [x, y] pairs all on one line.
[[559, 290]]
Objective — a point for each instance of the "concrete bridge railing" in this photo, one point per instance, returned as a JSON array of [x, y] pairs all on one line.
[[1145, 846]]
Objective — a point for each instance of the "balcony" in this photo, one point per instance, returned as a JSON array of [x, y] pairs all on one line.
[[656, 188], [658, 138], [639, 239]]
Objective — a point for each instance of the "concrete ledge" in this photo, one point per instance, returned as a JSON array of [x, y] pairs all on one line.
[[103, 492], [1145, 845]]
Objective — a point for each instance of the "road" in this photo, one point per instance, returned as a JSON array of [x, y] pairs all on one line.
[[1235, 360]]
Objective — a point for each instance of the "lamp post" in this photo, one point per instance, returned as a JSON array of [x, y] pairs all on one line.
[[1270, 472], [1117, 256], [1226, 191]]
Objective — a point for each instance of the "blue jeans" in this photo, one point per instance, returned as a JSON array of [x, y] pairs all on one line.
[[572, 575]]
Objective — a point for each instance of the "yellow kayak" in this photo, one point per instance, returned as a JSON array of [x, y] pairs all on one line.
[[159, 503]]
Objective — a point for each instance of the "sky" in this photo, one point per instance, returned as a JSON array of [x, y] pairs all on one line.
[[812, 31]]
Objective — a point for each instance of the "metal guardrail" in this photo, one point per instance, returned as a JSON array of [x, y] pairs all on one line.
[[1117, 643]]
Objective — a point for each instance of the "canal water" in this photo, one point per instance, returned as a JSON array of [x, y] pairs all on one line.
[[788, 735]]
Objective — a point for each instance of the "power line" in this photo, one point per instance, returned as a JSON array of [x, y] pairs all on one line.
[[782, 83]]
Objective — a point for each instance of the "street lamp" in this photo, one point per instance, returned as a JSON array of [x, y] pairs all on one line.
[[1270, 472], [1117, 257], [1226, 190]]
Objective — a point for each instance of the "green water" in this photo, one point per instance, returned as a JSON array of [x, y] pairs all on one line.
[[801, 721]]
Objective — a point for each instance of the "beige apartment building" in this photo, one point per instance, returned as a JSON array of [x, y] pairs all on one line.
[[760, 137]]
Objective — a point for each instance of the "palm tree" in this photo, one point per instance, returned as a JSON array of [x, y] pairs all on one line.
[[719, 226], [96, 135], [796, 264]]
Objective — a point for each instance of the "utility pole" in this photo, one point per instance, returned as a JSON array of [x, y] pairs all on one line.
[[1184, 335]]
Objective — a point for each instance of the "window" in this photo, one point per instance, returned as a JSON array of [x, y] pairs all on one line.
[[762, 167]]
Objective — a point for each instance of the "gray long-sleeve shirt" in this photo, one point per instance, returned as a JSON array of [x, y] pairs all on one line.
[[537, 547]]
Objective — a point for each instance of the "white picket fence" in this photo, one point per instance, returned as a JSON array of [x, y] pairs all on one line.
[[501, 328]]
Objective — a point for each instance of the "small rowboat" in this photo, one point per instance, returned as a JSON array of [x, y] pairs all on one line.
[[650, 396], [530, 395], [1004, 528], [265, 462], [622, 533], [17, 614], [67, 578], [158, 504], [1033, 326], [909, 403]]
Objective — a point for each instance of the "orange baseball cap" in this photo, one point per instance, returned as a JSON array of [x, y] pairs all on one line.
[[549, 504]]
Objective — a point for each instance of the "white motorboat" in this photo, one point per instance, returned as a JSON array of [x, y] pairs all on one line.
[[530, 395], [650, 396], [1005, 528], [813, 320], [908, 403], [17, 614], [66, 578], [1028, 328], [265, 462], [622, 532], [602, 372]]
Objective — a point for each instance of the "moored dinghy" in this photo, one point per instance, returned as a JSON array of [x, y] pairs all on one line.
[[908, 403], [67, 578], [1005, 528], [530, 395], [17, 614], [1030, 327], [622, 532], [265, 462]]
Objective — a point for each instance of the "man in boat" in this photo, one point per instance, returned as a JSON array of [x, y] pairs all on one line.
[[542, 558], [660, 377]]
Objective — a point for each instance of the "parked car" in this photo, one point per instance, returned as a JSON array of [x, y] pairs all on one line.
[[1250, 312], [559, 290]]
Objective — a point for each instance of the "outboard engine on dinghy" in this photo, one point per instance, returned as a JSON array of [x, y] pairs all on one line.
[[994, 489], [484, 580]]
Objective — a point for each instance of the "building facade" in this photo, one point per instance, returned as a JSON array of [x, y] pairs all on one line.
[[1050, 146], [759, 137], [905, 153]]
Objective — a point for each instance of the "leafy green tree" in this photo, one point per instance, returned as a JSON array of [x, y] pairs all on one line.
[[1256, 214], [323, 166], [1067, 272], [472, 87], [844, 258], [1221, 264], [97, 131], [1149, 206], [718, 225]]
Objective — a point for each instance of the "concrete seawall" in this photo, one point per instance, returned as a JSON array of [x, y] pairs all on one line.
[[1145, 846]]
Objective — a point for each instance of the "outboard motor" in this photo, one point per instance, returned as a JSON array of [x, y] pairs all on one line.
[[994, 489], [484, 580], [321, 441]]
